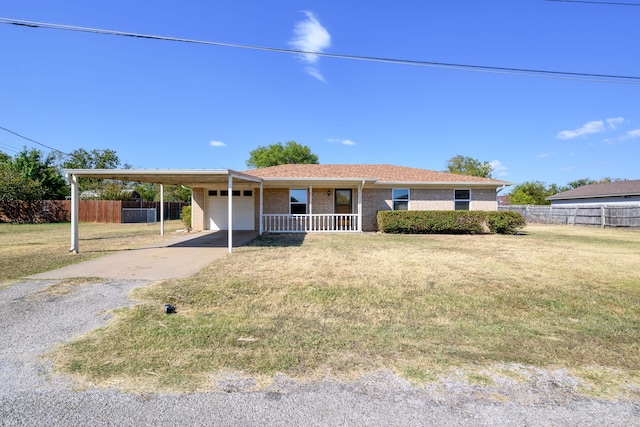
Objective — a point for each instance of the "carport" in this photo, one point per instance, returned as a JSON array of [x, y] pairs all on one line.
[[190, 177]]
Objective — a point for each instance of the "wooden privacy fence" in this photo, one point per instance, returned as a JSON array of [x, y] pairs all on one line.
[[599, 216], [110, 211]]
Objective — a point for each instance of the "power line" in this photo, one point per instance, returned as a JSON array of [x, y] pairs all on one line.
[[591, 77], [8, 147], [34, 141], [598, 2]]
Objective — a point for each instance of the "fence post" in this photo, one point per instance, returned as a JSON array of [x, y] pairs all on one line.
[[602, 217]]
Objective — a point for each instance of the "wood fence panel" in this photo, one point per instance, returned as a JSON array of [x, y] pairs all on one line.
[[594, 216], [104, 211]]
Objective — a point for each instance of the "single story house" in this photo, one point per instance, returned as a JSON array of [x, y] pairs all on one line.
[[619, 193], [307, 197]]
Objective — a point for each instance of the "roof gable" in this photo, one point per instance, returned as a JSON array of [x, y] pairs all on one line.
[[605, 189], [376, 172]]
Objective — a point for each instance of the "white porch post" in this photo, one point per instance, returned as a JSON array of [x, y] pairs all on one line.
[[230, 215], [308, 225], [73, 180], [161, 209], [360, 206], [261, 208]]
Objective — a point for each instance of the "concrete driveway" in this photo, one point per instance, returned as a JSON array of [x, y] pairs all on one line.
[[173, 259]]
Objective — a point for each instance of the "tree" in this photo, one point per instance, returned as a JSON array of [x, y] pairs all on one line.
[[463, 165], [580, 182], [94, 159], [18, 196], [147, 191], [35, 166], [177, 193], [531, 193], [278, 154]]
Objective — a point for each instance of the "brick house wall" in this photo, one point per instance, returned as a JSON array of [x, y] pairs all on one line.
[[276, 201], [198, 209]]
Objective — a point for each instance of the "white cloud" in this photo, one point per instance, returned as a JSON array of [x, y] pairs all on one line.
[[632, 134], [588, 128], [498, 169], [342, 141], [310, 36], [217, 144], [614, 122], [544, 155]]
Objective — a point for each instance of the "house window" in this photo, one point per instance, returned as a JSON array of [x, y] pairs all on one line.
[[213, 192], [462, 199], [400, 199], [298, 201], [247, 193]]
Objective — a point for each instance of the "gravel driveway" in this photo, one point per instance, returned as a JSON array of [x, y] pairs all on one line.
[[31, 323]]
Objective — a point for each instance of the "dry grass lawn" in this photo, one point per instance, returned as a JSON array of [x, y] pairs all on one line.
[[341, 305], [33, 248]]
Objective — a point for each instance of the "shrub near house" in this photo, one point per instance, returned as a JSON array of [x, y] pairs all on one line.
[[449, 222]]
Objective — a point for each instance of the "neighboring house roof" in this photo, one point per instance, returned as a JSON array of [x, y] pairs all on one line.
[[382, 174], [606, 189], [504, 200]]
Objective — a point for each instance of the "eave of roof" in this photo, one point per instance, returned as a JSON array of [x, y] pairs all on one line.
[[163, 176]]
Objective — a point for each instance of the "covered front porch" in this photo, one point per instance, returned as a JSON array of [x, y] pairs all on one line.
[[311, 207]]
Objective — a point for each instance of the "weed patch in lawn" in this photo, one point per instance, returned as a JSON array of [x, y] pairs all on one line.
[[344, 305], [62, 287]]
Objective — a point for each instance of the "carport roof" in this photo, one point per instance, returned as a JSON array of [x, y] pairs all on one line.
[[164, 176]]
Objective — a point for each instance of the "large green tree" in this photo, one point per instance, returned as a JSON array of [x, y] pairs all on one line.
[[531, 193], [464, 165], [34, 165], [278, 154], [94, 159], [26, 182]]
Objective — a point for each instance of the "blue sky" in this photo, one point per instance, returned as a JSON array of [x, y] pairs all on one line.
[[163, 104]]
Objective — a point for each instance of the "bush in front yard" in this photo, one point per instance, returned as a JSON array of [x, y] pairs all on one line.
[[449, 222], [505, 222], [185, 216]]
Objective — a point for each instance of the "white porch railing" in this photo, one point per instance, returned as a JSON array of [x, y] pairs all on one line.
[[310, 223]]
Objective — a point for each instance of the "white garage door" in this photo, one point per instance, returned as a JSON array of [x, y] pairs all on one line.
[[243, 209]]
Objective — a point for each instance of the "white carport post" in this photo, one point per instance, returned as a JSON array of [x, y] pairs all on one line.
[[162, 209], [230, 215], [73, 180]]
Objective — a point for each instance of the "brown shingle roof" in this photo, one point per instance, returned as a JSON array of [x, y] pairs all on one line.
[[605, 189], [381, 173]]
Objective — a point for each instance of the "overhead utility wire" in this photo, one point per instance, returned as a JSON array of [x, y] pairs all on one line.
[[34, 141], [597, 2], [604, 78]]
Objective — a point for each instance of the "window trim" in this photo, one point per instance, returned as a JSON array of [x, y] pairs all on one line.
[[305, 204], [395, 200], [457, 200]]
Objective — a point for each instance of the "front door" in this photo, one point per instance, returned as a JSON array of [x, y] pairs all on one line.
[[343, 205], [343, 202]]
